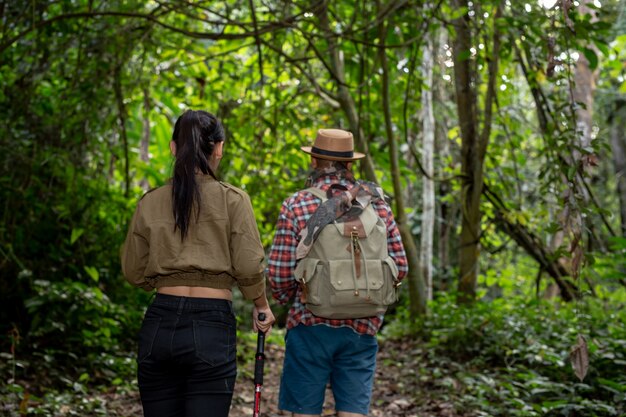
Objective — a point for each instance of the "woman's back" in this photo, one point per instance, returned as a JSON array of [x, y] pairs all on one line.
[[192, 240], [207, 248]]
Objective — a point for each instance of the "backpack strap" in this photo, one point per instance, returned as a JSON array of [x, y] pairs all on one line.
[[317, 192]]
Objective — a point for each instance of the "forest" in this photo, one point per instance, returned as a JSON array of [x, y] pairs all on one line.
[[496, 127]]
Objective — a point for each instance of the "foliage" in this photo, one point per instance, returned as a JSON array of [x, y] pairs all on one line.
[[511, 357], [86, 89]]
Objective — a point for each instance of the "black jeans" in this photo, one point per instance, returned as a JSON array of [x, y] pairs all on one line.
[[187, 357]]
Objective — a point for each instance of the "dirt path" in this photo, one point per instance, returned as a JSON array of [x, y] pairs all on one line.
[[398, 388], [394, 387]]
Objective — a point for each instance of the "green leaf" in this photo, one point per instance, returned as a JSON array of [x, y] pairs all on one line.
[[93, 273], [603, 47], [106, 332], [76, 233], [571, 171], [617, 243], [591, 57], [458, 13], [612, 384], [554, 404]]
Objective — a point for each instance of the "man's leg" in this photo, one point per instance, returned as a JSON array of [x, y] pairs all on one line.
[[306, 370], [353, 374]]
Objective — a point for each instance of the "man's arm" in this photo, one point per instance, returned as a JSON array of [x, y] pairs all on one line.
[[282, 259]]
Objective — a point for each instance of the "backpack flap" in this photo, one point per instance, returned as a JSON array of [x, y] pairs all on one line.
[[341, 276], [351, 290], [363, 224]]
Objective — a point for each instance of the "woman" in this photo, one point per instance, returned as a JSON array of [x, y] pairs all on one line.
[[192, 240]]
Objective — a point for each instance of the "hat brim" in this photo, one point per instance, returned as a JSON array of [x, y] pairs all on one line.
[[356, 155]]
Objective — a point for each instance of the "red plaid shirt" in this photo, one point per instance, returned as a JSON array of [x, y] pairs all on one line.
[[293, 216]]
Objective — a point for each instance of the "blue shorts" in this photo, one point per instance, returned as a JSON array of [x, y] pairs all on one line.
[[317, 354]]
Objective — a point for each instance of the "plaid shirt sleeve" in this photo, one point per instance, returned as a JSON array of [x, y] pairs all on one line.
[[282, 259], [394, 241]]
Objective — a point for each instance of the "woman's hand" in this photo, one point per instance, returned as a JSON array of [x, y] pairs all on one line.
[[261, 306]]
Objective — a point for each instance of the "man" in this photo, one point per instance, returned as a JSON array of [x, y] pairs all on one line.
[[319, 350]]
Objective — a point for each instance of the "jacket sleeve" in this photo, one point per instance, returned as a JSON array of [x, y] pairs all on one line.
[[246, 250], [135, 253]]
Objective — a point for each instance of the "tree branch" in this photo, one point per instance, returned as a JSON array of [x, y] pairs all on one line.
[[532, 245], [257, 39], [320, 56], [270, 27], [322, 92]]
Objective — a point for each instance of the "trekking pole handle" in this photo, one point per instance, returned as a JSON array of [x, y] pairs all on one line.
[[260, 354]]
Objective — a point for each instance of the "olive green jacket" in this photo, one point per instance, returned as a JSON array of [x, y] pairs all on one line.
[[222, 246]]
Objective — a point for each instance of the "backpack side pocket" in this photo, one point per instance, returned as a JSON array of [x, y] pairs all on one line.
[[390, 276], [307, 274]]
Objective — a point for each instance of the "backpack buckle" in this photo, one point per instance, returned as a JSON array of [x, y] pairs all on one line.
[[354, 237]]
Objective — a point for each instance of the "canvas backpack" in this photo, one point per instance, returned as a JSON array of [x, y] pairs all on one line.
[[348, 272]]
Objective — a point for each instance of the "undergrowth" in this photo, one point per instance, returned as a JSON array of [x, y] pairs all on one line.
[[510, 357], [506, 356]]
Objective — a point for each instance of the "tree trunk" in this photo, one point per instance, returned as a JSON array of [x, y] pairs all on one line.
[[447, 215], [417, 289], [121, 109], [618, 148], [471, 163], [144, 155], [584, 88], [569, 218], [428, 185], [447, 211], [346, 101], [473, 143]]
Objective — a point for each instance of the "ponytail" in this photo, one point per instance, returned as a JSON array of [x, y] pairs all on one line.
[[195, 134]]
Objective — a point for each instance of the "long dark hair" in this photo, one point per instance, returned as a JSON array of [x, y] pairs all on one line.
[[195, 134]]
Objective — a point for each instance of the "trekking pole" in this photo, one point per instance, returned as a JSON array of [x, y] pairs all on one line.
[[258, 369]]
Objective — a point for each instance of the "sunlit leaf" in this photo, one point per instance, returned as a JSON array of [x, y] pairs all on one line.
[[76, 233], [93, 273]]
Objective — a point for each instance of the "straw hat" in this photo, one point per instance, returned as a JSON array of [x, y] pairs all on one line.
[[333, 144]]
